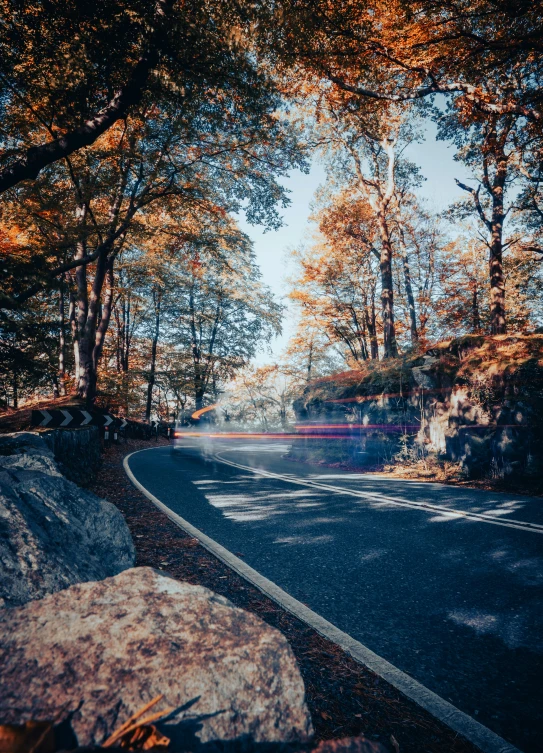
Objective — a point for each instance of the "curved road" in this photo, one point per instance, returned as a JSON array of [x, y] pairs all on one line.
[[446, 583]]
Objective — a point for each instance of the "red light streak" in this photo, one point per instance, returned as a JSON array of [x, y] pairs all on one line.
[[281, 437], [390, 395], [369, 427], [248, 435]]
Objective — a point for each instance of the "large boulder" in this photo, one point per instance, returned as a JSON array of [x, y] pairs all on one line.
[[100, 651], [52, 533], [27, 450]]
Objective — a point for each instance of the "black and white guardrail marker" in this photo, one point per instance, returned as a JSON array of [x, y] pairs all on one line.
[[71, 417]]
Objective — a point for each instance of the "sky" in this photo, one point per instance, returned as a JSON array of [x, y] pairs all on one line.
[[435, 158]]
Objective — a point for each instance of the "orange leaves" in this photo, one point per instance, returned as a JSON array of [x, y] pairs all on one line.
[[389, 50], [138, 732]]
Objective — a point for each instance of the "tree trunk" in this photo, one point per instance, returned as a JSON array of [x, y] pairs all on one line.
[[496, 141], [390, 346], [152, 371], [126, 346], [371, 324], [62, 346], [364, 355], [309, 362], [75, 335], [105, 310], [86, 382], [380, 192], [360, 329], [494, 156], [497, 281], [199, 387], [409, 290], [15, 386], [92, 322], [475, 316], [199, 393], [84, 348]]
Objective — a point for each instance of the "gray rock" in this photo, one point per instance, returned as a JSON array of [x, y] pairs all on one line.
[[27, 450], [52, 533], [422, 375], [103, 650], [54, 451]]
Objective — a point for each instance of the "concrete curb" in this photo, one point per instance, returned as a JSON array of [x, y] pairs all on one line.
[[486, 740]]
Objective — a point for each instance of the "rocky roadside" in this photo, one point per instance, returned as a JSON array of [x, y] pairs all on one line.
[[92, 648], [433, 472], [53, 533], [344, 698]]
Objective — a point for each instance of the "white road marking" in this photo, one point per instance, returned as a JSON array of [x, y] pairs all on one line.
[[46, 417], [486, 740], [67, 417], [387, 500]]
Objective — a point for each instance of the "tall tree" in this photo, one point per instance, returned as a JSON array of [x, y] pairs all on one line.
[[222, 315], [487, 147], [108, 197], [362, 147]]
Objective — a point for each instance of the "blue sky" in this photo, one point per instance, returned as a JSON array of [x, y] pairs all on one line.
[[435, 158]]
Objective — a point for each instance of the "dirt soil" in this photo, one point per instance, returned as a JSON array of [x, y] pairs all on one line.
[[345, 698]]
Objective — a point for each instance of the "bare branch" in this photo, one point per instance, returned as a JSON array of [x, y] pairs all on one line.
[[471, 92], [479, 208]]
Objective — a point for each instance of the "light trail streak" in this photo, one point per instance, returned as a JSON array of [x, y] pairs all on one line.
[[197, 413], [421, 392], [370, 427], [248, 435]]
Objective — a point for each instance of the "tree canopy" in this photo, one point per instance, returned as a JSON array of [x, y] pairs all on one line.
[[134, 134]]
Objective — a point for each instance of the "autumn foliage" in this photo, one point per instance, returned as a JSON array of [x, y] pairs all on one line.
[[133, 133]]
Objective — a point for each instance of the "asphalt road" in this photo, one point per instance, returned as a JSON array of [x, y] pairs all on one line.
[[445, 583]]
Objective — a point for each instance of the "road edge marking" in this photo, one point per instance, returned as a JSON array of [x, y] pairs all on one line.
[[520, 525], [460, 722]]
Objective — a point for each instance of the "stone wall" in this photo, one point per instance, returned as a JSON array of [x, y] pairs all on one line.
[[475, 400]]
